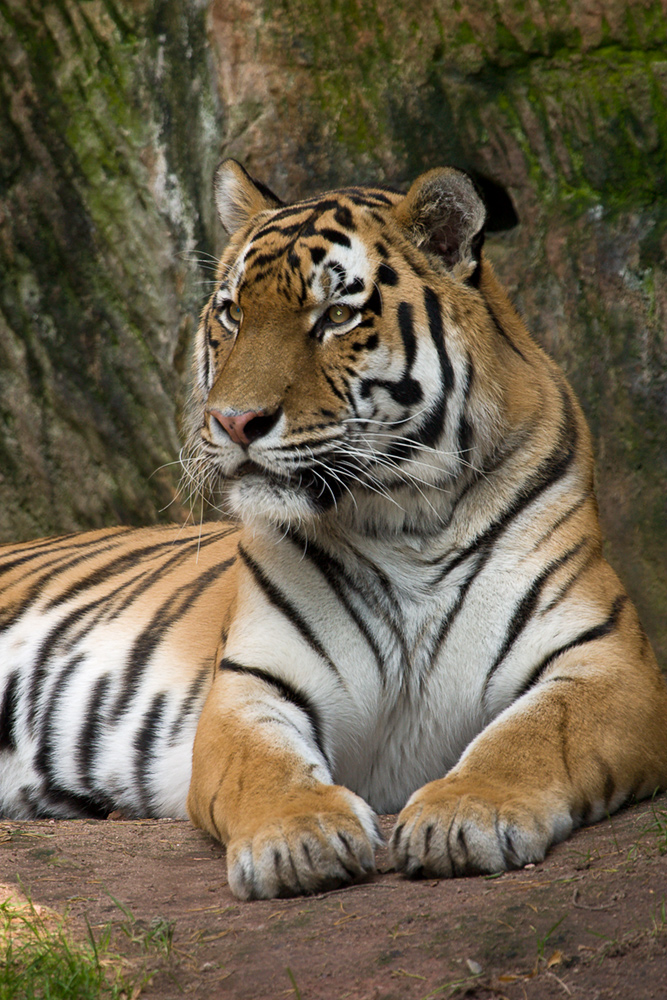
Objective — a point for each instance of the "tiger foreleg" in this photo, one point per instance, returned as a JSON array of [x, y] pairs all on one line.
[[262, 786], [570, 751]]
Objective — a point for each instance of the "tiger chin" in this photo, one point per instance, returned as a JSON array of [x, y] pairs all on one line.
[[411, 612]]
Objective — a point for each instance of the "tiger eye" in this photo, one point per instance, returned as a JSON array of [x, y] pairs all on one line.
[[339, 314], [235, 312]]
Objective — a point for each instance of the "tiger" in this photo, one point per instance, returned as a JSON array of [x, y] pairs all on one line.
[[404, 607]]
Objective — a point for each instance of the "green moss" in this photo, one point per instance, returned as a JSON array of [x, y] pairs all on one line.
[[386, 82], [601, 120], [508, 49], [464, 35], [99, 248]]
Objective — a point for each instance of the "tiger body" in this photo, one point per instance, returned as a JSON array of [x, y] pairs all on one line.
[[84, 733], [414, 613]]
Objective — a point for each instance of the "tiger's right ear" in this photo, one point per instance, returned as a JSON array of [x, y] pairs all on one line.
[[444, 215], [238, 197]]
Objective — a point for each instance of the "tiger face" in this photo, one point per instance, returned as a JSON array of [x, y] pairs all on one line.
[[321, 384]]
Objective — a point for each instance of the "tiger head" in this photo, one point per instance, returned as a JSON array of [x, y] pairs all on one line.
[[334, 365]]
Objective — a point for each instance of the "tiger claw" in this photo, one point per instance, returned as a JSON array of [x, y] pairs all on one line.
[[450, 829], [299, 855]]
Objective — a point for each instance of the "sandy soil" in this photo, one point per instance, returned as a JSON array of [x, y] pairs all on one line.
[[589, 922]]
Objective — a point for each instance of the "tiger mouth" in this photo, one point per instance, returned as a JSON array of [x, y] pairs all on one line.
[[250, 468], [298, 480]]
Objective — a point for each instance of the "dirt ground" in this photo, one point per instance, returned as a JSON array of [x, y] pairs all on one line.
[[589, 922]]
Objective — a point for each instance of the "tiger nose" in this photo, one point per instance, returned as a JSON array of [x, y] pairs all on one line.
[[243, 428]]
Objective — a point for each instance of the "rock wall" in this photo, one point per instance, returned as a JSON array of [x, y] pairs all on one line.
[[109, 133], [113, 114]]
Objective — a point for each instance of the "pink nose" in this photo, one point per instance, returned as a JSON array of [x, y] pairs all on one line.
[[244, 427]]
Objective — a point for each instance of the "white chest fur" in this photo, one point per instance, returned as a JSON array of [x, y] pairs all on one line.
[[406, 638]]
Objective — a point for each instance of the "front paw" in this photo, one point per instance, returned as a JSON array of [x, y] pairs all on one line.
[[468, 826], [318, 840]]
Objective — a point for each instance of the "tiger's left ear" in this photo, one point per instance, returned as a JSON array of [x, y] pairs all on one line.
[[443, 214], [238, 197]]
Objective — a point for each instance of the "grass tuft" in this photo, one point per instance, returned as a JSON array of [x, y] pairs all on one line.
[[40, 959], [659, 827]]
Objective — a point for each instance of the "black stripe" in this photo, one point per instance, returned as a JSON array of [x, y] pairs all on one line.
[[381, 578], [432, 428], [553, 468], [600, 631], [56, 799], [44, 753], [143, 750], [294, 260], [335, 575], [465, 432], [30, 552], [50, 646], [8, 713], [127, 560], [371, 198], [366, 197], [386, 275], [503, 453], [145, 582], [406, 327], [341, 273], [63, 562], [332, 385], [553, 528], [503, 333], [288, 213], [49, 571], [453, 612], [372, 304], [52, 643], [263, 259], [407, 391], [525, 610], [190, 702], [107, 607], [436, 329], [303, 294], [286, 231], [343, 216], [567, 586], [372, 341], [289, 693], [415, 261], [90, 731], [207, 368], [280, 601], [335, 236], [157, 630]]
